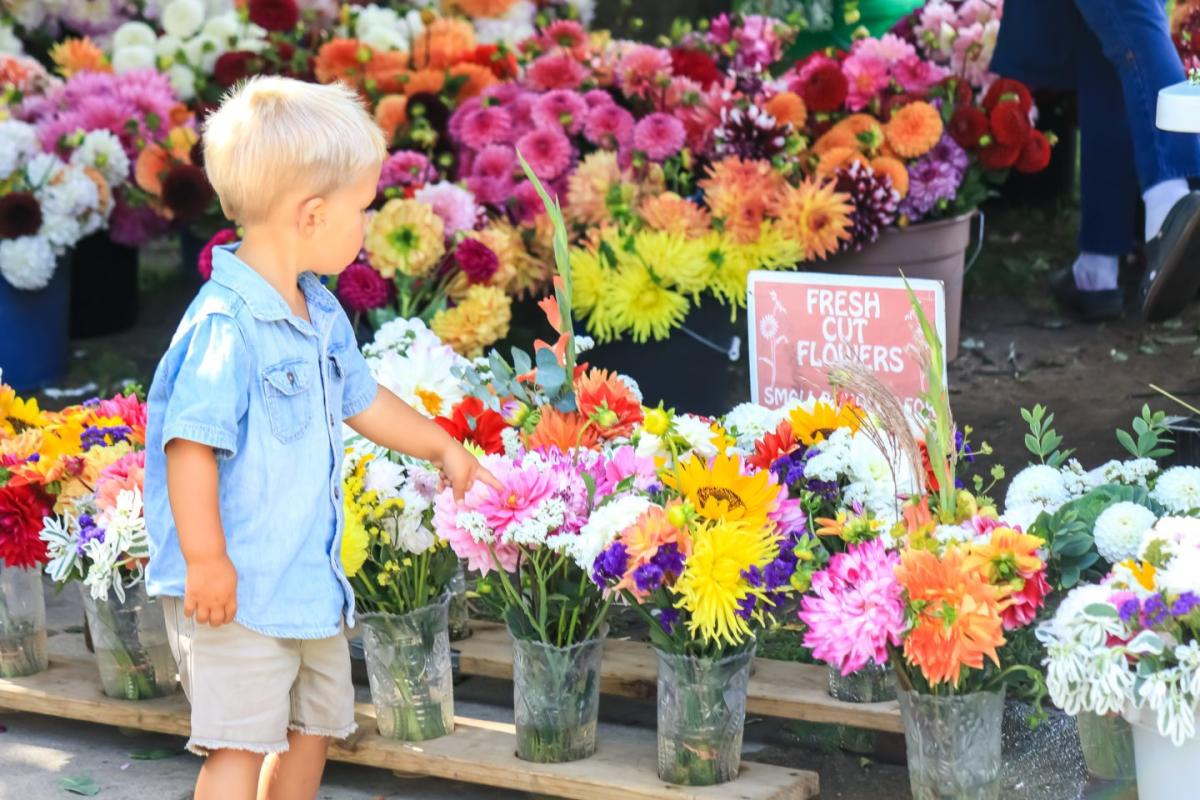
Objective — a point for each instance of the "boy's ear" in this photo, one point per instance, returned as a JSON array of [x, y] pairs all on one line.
[[312, 216]]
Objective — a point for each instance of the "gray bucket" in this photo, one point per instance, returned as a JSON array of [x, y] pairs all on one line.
[[932, 250]]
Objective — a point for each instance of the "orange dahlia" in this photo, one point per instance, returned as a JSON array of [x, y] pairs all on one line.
[[78, 55], [742, 192], [391, 113], [1007, 556], [475, 79], [956, 615], [566, 431], [788, 107], [424, 81], [671, 213], [817, 217], [859, 131], [914, 129], [894, 168], [342, 60], [835, 158], [444, 43], [482, 8], [388, 71], [151, 165], [608, 401]]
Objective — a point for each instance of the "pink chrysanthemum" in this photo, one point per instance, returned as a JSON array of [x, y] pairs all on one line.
[[597, 97], [525, 202], [889, 47], [454, 204], [608, 126], [406, 168], [856, 608], [558, 70], [502, 93], [916, 75], [204, 261], [464, 110], [446, 518], [561, 108], [547, 151], [484, 126], [567, 34], [659, 136], [361, 288], [134, 226], [643, 69], [867, 77], [495, 161]]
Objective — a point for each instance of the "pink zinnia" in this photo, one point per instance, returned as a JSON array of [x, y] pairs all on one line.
[[867, 76], [547, 151], [558, 70], [659, 136], [204, 261], [915, 74], [608, 126], [855, 609], [361, 288], [561, 108], [484, 126], [454, 204], [642, 69]]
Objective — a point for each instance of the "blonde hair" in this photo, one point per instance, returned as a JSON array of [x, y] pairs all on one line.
[[271, 133]]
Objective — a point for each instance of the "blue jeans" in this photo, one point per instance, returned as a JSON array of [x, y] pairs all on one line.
[[1116, 55]]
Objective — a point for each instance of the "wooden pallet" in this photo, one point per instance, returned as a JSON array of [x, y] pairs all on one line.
[[478, 751], [777, 688]]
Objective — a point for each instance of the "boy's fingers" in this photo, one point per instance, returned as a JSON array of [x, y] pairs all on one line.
[[189, 606], [489, 479], [202, 615], [230, 612]]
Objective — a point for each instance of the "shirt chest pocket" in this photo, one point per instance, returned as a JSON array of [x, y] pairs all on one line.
[[288, 389]]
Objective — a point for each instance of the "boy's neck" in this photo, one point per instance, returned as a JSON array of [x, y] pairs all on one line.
[[275, 260]]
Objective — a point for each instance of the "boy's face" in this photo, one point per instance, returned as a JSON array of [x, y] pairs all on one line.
[[344, 215]]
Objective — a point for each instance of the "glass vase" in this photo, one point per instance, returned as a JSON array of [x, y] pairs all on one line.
[[556, 699], [408, 666], [460, 615], [871, 684], [1107, 746], [701, 717], [954, 744], [131, 645], [22, 622]]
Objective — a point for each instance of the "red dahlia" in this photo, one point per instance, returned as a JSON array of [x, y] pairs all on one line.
[[361, 288], [186, 192], [824, 88], [968, 126], [999, 156], [275, 15], [20, 215], [22, 509], [233, 66], [1007, 89], [502, 63], [205, 259], [477, 261], [695, 64], [1010, 124], [1035, 155]]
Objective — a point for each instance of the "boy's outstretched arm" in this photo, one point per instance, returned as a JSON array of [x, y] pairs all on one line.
[[211, 590], [394, 424]]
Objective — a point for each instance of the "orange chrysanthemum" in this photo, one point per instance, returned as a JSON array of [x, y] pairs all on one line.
[[78, 55], [391, 113], [566, 431], [914, 129], [475, 79], [894, 168], [608, 401], [788, 107], [674, 214], [742, 192], [342, 60], [817, 217], [425, 81], [444, 43], [589, 187], [388, 71], [773, 446], [956, 615], [482, 8]]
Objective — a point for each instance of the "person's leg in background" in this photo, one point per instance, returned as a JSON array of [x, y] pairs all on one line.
[[1134, 38]]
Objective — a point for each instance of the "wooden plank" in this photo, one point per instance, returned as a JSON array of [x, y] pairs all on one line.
[[777, 688], [478, 751]]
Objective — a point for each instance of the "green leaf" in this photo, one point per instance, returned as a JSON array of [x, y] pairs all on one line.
[[1127, 442], [80, 785], [1102, 610], [522, 363]]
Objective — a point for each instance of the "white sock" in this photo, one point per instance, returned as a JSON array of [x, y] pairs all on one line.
[[1095, 272], [1160, 199]]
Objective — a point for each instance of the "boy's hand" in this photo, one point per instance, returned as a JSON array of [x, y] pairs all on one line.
[[462, 470], [211, 591]]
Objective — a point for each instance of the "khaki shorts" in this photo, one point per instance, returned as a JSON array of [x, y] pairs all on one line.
[[248, 690]]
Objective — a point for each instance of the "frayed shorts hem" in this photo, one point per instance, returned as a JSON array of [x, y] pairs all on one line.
[[332, 733], [205, 747]]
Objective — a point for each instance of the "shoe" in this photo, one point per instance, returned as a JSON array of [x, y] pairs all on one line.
[[1098, 306], [1173, 262]]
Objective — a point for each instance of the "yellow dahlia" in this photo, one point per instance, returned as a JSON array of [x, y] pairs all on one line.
[[721, 490], [479, 321], [405, 236], [642, 305], [817, 217], [674, 214]]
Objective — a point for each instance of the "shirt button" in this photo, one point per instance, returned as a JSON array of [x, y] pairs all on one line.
[[331, 420]]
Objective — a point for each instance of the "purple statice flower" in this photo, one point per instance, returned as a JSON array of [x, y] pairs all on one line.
[[1184, 604], [667, 618], [779, 572], [1129, 608], [648, 577], [611, 564], [668, 559], [88, 531], [1154, 611], [753, 576], [95, 436], [934, 179], [747, 605]]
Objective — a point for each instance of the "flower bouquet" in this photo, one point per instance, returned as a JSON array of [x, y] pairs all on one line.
[[401, 574], [97, 536]]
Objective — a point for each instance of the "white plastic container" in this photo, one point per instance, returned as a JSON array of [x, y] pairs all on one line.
[[1164, 771]]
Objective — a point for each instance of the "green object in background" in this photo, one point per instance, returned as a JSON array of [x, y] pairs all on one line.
[[832, 23]]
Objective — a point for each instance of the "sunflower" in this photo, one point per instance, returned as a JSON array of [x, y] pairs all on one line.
[[818, 424], [817, 217], [405, 236], [720, 490], [914, 130], [713, 588], [642, 305], [17, 415]]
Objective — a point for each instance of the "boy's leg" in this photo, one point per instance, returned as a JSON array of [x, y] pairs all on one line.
[[296, 774], [229, 775]]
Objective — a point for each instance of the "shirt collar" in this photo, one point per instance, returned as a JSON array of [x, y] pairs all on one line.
[[260, 296]]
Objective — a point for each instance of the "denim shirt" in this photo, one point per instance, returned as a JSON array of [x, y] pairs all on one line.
[[268, 392]]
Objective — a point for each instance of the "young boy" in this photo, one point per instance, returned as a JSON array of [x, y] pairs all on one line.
[[244, 444]]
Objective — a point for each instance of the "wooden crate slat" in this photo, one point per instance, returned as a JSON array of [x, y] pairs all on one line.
[[479, 751], [629, 669]]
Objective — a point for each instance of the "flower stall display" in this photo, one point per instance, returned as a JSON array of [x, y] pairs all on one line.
[[97, 536], [401, 573]]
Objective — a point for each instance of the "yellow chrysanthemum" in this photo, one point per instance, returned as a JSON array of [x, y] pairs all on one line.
[[642, 305], [713, 586], [730, 268], [674, 214], [720, 490], [773, 249], [817, 217], [814, 426], [479, 321], [679, 262], [355, 544], [587, 279], [405, 236]]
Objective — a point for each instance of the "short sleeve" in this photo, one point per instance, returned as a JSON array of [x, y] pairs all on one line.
[[210, 392], [359, 386]]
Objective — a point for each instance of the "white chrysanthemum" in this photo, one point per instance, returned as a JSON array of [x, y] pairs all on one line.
[[18, 142], [129, 59], [133, 34], [384, 477], [697, 433], [603, 527], [1038, 485], [1119, 530], [182, 18], [515, 25], [398, 335], [381, 28], [102, 149], [72, 193], [224, 28], [749, 422], [169, 50], [9, 43], [28, 262], [60, 231], [183, 81], [831, 459], [203, 51], [1182, 574], [1178, 489]]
